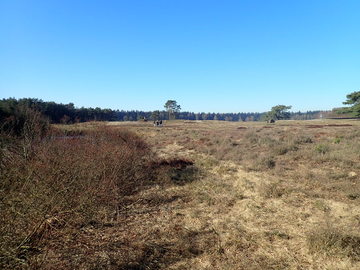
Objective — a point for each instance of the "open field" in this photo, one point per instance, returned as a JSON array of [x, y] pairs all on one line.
[[220, 195], [283, 196]]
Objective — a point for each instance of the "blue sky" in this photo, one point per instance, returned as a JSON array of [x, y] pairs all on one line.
[[212, 56]]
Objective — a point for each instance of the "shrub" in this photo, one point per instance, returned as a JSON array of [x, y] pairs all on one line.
[[337, 140], [263, 163], [252, 137], [285, 148], [335, 243], [303, 139], [268, 162], [23, 122], [273, 190], [322, 148], [66, 182]]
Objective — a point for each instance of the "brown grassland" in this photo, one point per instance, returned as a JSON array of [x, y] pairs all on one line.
[[188, 195]]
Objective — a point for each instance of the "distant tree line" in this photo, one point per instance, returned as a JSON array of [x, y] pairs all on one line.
[[308, 115], [56, 112], [68, 113]]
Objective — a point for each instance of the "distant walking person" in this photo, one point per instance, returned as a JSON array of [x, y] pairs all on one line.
[[158, 123]]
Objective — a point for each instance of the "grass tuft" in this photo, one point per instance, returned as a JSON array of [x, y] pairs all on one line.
[[334, 243]]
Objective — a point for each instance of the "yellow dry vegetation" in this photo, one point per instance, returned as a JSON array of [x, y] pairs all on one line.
[[283, 196], [224, 195]]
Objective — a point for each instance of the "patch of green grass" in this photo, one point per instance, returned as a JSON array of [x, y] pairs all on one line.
[[337, 140], [322, 148]]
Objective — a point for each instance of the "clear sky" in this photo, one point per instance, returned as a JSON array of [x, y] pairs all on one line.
[[212, 56]]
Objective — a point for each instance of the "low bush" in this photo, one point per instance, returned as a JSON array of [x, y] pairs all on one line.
[[66, 182], [303, 139], [273, 190], [282, 149], [334, 243], [337, 140], [264, 163], [322, 148]]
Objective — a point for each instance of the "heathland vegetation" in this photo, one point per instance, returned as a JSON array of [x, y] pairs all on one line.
[[188, 195], [56, 182]]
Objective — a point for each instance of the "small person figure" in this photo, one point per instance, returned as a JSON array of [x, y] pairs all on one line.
[[158, 123]]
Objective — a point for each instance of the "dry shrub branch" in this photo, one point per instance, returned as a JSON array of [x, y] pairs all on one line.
[[64, 182]]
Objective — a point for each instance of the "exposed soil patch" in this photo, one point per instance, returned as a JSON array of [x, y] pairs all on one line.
[[329, 125], [173, 163], [315, 126], [339, 125]]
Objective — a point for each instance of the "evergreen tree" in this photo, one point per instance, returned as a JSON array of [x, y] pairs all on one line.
[[172, 108], [278, 112], [354, 100]]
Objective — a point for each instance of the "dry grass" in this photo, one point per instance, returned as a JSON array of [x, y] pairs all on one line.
[[335, 242], [68, 182], [267, 187], [215, 195]]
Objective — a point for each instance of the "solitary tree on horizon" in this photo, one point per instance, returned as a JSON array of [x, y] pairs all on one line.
[[172, 108], [278, 112]]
